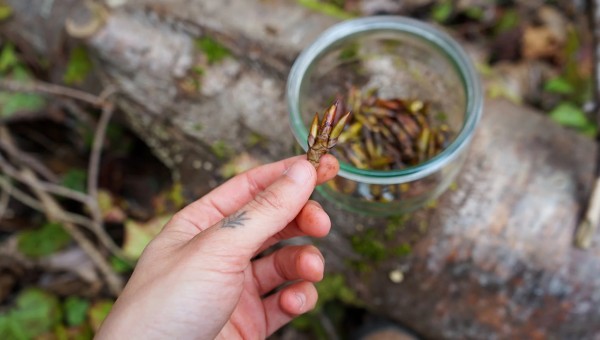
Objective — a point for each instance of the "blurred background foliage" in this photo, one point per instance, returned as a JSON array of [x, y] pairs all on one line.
[[535, 53]]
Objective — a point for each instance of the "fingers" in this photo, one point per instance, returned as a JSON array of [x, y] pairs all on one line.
[[288, 264], [268, 213], [312, 221], [241, 189], [283, 306]]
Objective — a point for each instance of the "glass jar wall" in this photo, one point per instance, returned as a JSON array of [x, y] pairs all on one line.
[[399, 59]]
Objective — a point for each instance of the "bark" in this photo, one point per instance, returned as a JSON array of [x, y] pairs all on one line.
[[492, 259]]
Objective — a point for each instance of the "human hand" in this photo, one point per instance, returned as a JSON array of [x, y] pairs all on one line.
[[197, 279]]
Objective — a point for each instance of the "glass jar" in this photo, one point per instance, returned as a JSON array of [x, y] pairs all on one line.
[[401, 58]]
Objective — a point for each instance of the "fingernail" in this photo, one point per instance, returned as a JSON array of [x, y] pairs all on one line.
[[300, 300], [317, 259], [316, 204], [299, 172]]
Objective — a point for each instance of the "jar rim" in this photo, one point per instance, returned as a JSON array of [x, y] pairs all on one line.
[[427, 33]]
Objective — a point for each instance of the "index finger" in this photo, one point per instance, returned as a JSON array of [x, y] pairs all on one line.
[[241, 189]]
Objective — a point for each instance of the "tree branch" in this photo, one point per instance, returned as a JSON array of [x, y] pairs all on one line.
[[51, 89], [5, 198], [27, 160], [94, 162], [54, 212], [37, 205], [49, 187]]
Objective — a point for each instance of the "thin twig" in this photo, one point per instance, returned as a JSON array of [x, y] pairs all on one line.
[[50, 187], [37, 205], [588, 226], [20, 195], [96, 153], [91, 199], [95, 225], [52, 89], [5, 198], [54, 212], [27, 160], [93, 174]]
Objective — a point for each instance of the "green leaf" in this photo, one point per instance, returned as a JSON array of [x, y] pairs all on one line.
[[79, 66], [75, 179], [138, 235], [11, 103], [213, 50], [46, 240], [119, 265], [442, 11], [176, 195], [326, 8], [349, 53], [98, 312], [509, 20], [403, 250], [221, 149], [570, 115], [36, 312], [76, 310], [8, 58], [559, 85], [334, 287], [5, 12], [475, 13]]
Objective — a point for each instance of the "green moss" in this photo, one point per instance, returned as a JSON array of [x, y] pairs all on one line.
[[475, 13], [442, 11], [5, 11], [402, 250], [334, 287], [376, 244], [509, 20], [369, 246], [213, 50], [254, 139], [79, 66], [327, 8], [221, 149], [394, 225], [334, 297], [349, 53], [358, 266]]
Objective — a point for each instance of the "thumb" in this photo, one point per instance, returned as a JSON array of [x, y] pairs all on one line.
[[269, 212]]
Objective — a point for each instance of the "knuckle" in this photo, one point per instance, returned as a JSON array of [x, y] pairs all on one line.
[[269, 200]]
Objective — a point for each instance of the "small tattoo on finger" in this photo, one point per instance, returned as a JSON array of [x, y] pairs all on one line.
[[235, 220]]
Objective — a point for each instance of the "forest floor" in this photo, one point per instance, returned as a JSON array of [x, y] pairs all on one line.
[[61, 156]]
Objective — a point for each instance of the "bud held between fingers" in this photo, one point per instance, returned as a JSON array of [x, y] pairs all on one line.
[[324, 135]]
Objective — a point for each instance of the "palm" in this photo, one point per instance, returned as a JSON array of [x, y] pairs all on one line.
[[248, 318]]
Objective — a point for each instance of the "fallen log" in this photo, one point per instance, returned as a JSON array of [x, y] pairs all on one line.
[[492, 259]]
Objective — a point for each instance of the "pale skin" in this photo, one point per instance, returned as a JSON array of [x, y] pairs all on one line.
[[198, 280]]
